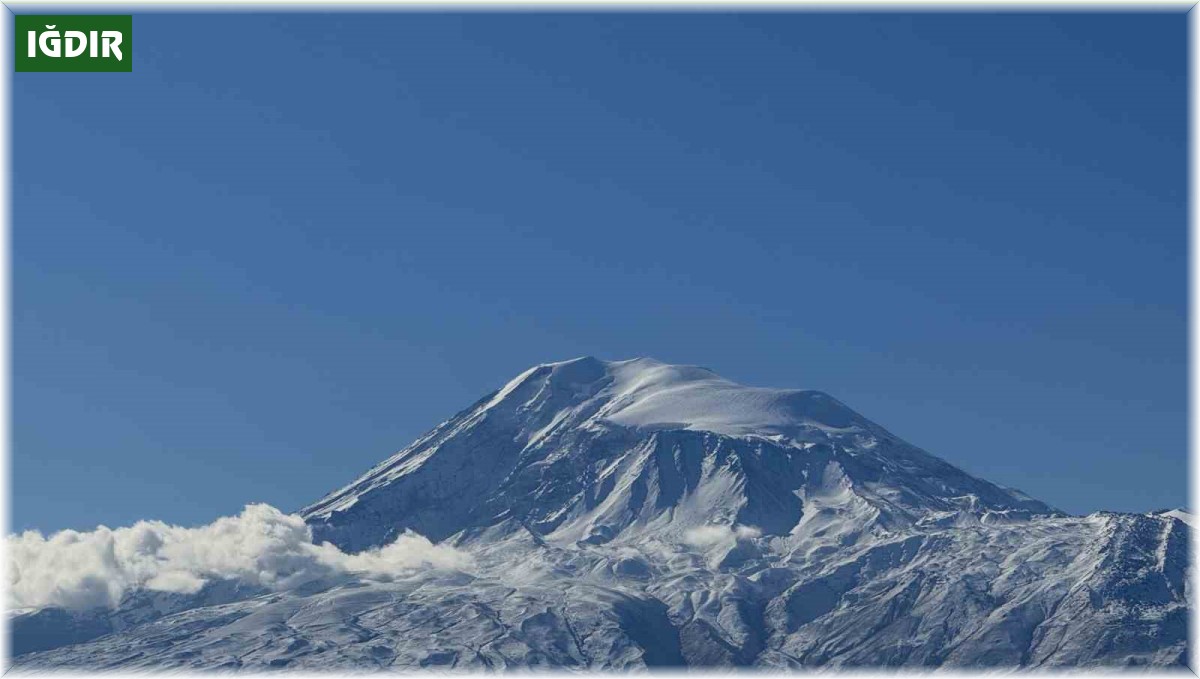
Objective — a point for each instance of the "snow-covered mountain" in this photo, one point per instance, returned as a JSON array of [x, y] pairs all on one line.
[[632, 513]]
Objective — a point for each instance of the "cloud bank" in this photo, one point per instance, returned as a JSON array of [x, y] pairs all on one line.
[[262, 546], [712, 535]]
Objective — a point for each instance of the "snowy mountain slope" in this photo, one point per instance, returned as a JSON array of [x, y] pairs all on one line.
[[584, 445], [630, 514], [52, 627], [1055, 592]]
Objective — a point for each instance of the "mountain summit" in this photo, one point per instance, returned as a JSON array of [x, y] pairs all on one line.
[[631, 514], [585, 448]]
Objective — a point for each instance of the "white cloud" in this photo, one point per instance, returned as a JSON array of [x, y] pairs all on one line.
[[713, 534], [262, 546]]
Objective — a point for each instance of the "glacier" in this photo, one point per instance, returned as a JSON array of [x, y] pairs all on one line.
[[634, 514]]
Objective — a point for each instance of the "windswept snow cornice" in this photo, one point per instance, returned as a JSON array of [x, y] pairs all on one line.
[[649, 394]]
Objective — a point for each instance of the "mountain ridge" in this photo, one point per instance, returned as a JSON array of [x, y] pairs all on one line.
[[633, 514], [609, 408]]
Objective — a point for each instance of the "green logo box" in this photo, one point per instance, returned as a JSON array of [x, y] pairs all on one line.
[[74, 43]]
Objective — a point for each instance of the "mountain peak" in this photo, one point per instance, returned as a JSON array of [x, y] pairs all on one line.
[[619, 514], [645, 393], [576, 449]]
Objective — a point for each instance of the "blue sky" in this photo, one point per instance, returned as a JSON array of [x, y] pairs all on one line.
[[285, 246]]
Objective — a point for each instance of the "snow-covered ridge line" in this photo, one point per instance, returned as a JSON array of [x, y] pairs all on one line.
[[632, 514], [647, 393]]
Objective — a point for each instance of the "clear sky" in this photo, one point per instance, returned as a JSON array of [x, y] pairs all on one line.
[[285, 246]]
